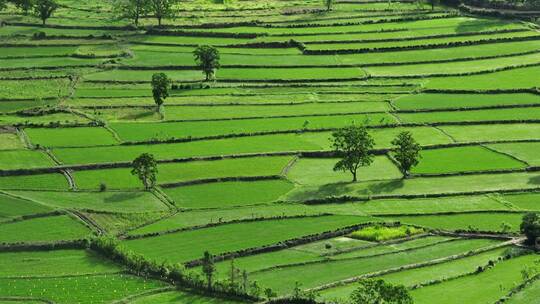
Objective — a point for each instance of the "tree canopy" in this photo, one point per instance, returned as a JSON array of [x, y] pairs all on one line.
[[145, 168], [372, 291], [162, 9], [530, 226], [354, 145], [207, 58], [160, 88], [131, 9], [407, 152], [44, 9]]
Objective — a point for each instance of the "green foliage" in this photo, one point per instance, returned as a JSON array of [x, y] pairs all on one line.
[[207, 57], [162, 9], [530, 226], [160, 88], [328, 4], [378, 292], [24, 5], [407, 151], [44, 9], [383, 233], [208, 268], [145, 168], [131, 9], [354, 144]]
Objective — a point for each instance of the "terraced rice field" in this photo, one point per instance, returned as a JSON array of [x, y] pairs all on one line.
[[245, 161]]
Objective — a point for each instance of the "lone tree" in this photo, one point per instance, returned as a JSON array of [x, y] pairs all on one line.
[[353, 143], [328, 4], [162, 9], [208, 268], [530, 226], [407, 152], [44, 9], [131, 9], [207, 58], [372, 291], [160, 89], [145, 168]]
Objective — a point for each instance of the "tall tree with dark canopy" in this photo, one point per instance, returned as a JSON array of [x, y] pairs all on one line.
[[24, 5], [44, 9], [208, 268], [145, 168], [530, 226], [160, 89], [131, 9], [354, 145], [3, 5], [407, 152], [207, 57], [328, 4], [372, 291], [162, 9]]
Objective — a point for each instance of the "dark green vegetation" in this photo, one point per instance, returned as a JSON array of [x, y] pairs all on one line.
[[160, 151]]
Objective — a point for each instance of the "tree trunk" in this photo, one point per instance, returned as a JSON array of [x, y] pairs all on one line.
[[354, 179], [43, 20], [159, 21]]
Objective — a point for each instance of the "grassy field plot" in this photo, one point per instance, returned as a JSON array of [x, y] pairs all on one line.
[[423, 274], [65, 137], [89, 289], [168, 130], [313, 171], [189, 245], [220, 195], [485, 287], [432, 205], [469, 221], [464, 159], [18, 159], [54, 263], [523, 151], [447, 101], [524, 201], [527, 295], [516, 114], [59, 228], [13, 207], [52, 181], [330, 271], [493, 132], [431, 185], [181, 297], [9, 141]]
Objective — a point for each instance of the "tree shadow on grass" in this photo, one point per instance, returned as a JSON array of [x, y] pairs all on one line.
[[475, 26], [535, 180], [140, 115], [122, 197], [384, 187]]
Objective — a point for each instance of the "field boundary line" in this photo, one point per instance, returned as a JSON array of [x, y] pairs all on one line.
[[93, 225], [527, 164]]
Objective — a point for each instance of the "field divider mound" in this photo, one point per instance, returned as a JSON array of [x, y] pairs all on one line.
[[390, 214], [44, 246], [349, 198], [517, 289], [133, 297], [413, 266], [508, 154], [478, 172], [26, 299], [283, 244], [74, 275], [93, 225]]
